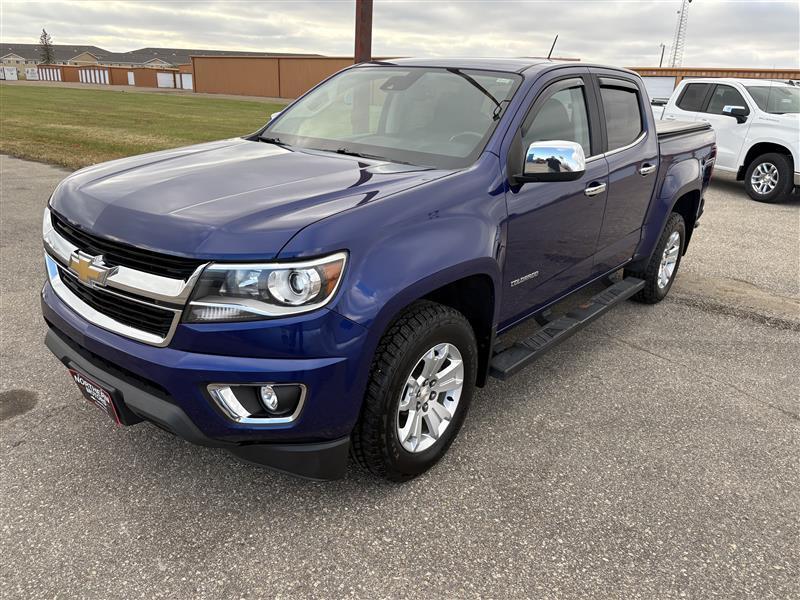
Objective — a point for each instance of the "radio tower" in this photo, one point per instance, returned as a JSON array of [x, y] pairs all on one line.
[[676, 55]]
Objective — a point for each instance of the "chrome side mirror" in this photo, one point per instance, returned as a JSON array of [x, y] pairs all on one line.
[[738, 112], [553, 161]]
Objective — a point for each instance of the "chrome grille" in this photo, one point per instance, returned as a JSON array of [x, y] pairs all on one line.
[[120, 254], [137, 303], [136, 314]]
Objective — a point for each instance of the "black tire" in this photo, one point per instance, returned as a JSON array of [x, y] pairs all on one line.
[[375, 442], [652, 291], [782, 191]]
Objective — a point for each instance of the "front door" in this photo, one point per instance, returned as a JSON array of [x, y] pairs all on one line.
[[553, 226], [131, 78], [730, 132]]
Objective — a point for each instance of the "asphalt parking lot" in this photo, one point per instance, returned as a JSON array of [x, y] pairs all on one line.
[[653, 455]]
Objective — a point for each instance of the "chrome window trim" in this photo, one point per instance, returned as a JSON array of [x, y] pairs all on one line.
[[125, 279], [635, 142], [213, 387], [102, 320]]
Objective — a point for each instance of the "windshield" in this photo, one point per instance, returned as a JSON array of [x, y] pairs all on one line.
[[776, 99], [422, 116]]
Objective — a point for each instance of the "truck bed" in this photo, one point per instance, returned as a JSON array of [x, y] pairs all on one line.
[[668, 129]]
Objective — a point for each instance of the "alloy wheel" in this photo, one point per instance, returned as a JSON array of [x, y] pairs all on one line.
[[764, 178], [429, 399], [669, 259]]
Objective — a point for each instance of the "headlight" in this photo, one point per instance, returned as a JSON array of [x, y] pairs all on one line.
[[245, 292]]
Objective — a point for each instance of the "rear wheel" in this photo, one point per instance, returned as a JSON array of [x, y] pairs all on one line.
[[421, 384], [659, 273], [769, 178]]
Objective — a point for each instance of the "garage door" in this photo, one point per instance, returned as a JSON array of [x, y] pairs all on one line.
[[659, 87], [186, 81], [165, 80]]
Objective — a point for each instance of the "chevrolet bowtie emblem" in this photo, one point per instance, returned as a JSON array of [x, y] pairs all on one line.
[[90, 269]]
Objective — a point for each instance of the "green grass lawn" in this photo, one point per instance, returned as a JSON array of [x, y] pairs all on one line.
[[79, 127]]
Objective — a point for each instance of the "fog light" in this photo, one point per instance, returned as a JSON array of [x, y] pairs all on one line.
[[269, 398], [259, 403]]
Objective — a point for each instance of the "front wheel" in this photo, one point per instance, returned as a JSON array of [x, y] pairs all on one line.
[[769, 178], [660, 271], [421, 383]]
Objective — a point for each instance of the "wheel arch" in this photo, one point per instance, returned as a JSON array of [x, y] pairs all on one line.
[[688, 205], [757, 150], [472, 289]]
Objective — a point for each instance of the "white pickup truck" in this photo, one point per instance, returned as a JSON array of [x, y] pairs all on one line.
[[757, 123]]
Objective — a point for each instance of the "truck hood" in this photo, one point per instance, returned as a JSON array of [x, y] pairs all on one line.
[[233, 199]]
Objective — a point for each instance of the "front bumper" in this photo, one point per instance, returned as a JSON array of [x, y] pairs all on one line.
[[168, 386]]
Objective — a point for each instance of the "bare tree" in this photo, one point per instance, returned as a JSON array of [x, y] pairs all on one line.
[[46, 54]]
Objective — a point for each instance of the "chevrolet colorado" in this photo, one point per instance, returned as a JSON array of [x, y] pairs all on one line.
[[341, 280]]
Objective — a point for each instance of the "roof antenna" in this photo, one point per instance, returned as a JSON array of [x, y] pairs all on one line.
[[549, 54]]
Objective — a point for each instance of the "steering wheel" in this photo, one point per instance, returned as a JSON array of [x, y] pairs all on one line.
[[466, 133]]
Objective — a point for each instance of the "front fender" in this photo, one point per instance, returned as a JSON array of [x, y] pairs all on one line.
[[405, 246]]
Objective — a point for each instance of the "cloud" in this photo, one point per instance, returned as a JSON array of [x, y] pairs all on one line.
[[729, 34]]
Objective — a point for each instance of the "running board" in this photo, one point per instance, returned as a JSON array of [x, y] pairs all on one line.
[[508, 361]]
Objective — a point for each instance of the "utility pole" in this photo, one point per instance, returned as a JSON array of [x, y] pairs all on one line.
[[363, 50], [661, 61]]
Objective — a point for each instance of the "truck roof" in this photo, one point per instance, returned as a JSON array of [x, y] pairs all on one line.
[[740, 80], [514, 65], [510, 65]]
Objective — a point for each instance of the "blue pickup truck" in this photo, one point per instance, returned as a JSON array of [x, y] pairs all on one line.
[[338, 283]]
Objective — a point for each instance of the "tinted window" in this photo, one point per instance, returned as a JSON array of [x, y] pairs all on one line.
[[724, 95], [776, 99], [563, 116], [692, 97], [623, 116]]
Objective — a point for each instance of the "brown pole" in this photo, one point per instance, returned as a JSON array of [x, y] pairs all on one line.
[[363, 50]]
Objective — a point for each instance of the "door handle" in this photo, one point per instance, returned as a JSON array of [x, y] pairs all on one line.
[[646, 169], [595, 188], [669, 118]]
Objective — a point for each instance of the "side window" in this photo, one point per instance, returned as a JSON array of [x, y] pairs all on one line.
[[692, 96], [723, 96], [623, 115], [563, 116]]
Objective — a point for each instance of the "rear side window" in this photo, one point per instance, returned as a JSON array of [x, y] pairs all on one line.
[[623, 115], [692, 96], [724, 95]]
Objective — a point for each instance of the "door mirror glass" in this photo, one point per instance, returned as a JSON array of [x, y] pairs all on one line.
[[553, 161], [739, 112]]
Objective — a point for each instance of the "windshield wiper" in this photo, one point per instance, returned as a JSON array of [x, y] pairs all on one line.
[[498, 107], [348, 152], [273, 140]]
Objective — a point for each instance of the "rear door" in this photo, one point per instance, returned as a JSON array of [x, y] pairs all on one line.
[[553, 226], [731, 134], [690, 101], [631, 153]]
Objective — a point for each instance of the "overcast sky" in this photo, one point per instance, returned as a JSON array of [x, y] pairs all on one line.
[[730, 34]]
